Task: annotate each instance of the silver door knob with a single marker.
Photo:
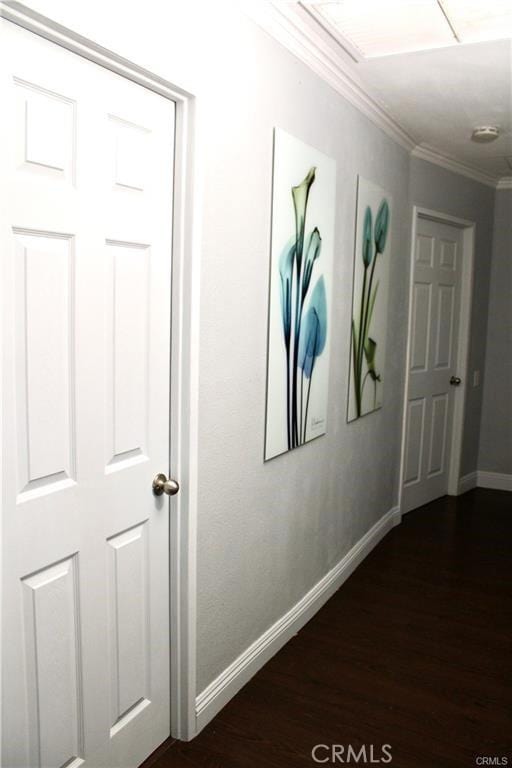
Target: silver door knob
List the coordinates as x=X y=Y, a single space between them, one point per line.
x=455 y=381
x=162 y=485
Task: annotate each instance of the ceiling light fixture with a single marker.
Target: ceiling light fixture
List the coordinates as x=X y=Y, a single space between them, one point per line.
x=485 y=133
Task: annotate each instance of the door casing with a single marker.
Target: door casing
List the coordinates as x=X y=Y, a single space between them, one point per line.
x=468 y=241
x=184 y=358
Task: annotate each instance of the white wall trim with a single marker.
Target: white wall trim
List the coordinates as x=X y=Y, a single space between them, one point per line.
x=294 y=25
x=496 y=480
x=467 y=483
x=459 y=406
x=354 y=53
x=450 y=163
x=468 y=247
x=482 y=479
x=217 y=694
x=285 y=25
x=184 y=385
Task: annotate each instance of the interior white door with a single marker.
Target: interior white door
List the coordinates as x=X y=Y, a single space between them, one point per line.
x=87 y=158
x=433 y=376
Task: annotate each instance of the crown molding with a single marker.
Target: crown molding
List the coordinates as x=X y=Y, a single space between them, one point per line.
x=284 y=24
x=349 y=49
x=431 y=155
x=282 y=20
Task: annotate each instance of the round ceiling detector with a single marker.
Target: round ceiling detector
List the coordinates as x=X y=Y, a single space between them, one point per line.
x=485 y=133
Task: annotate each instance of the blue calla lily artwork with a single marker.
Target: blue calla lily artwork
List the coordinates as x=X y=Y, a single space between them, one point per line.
x=369 y=318
x=302 y=224
x=311 y=345
x=314 y=330
x=286 y=273
x=367 y=237
x=381 y=226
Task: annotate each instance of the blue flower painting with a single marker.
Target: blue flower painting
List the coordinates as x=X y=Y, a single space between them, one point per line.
x=369 y=304
x=301 y=265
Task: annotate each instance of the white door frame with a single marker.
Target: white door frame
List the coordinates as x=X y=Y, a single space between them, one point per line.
x=184 y=362
x=468 y=246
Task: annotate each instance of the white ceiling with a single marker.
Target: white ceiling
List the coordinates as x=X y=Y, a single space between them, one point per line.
x=439 y=96
x=435 y=97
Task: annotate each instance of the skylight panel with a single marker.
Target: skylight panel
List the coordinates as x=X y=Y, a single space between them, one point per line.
x=372 y=28
x=379 y=28
x=477 y=21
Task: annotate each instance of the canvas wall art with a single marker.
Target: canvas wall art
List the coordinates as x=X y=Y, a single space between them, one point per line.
x=303 y=204
x=369 y=300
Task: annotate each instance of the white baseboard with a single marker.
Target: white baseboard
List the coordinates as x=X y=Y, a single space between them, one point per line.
x=496 y=480
x=480 y=479
x=233 y=678
x=468 y=482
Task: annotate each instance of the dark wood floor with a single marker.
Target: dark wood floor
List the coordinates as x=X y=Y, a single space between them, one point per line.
x=413 y=651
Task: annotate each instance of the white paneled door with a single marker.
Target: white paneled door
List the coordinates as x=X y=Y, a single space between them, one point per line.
x=433 y=376
x=87 y=159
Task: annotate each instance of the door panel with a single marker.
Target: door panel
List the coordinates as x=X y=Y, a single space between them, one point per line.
x=46 y=139
x=422 y=302
x=129 y=631
x=44 y=377
x=448 y=259
x=128 y=316
x=53 y=665
x=434 y=334
x=444 y=330
x=438 y=431
x=86 y=274
x=414 y=441
x=425 y=244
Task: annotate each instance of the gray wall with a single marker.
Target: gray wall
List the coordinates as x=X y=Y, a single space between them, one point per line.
x=441 y=190
x=271 y=531
x=496 y=428
x=268 y=532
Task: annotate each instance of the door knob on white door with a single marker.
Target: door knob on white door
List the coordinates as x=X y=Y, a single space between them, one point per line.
x=162 y=485
x=455 y=381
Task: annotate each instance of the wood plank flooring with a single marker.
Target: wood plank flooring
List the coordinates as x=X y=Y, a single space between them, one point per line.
x=413 y=651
